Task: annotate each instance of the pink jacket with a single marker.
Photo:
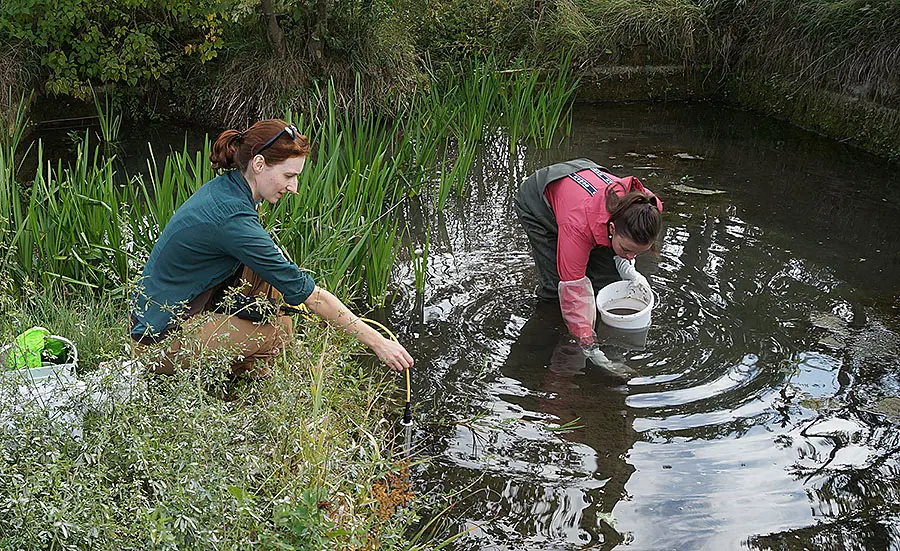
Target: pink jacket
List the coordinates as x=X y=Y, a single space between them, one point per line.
x=582 y=218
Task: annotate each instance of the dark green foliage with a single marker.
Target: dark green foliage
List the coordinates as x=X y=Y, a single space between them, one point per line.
x=124 y=41
x=458 y=29
x=216 y=62
x=306 y=524
x=249 y=80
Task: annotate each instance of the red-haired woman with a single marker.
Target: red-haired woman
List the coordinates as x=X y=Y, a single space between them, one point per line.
x=215 y=240
x=585 y=227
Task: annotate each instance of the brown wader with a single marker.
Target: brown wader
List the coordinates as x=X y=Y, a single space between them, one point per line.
x=540 y=226
x=251 y=345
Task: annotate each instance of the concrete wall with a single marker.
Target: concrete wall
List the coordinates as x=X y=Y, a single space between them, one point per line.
x=852 y=116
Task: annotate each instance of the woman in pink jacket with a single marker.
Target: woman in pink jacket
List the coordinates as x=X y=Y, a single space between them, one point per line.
x=585 y=227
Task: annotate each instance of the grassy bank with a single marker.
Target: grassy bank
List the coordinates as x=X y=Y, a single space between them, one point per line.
x=303 y=461
x=827 y=66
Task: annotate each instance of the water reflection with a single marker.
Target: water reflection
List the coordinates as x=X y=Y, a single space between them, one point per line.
x=541 y=486
x=748 y=421
x=570 y=388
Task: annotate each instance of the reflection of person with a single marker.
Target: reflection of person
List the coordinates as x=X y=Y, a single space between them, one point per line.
x=585 y=227
x=215 y=238
x=549 y=363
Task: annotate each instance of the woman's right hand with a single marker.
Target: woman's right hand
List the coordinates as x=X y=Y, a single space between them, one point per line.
x=393 y=354
x=329 y=307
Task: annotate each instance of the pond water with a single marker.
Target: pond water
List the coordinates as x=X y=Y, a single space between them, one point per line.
x=755 y=413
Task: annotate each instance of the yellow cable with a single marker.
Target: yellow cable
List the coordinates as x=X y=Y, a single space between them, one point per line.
x=390 y=333
x=383 y=328
x=393 y=338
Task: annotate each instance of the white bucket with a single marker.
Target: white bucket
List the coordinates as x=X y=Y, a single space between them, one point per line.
x=629 y=339
x=618 y=296
x=51 y=387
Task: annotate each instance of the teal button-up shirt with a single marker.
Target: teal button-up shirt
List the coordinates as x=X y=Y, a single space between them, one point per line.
x=208 y=238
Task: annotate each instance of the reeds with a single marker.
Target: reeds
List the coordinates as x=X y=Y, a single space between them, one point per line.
x=80 y=226
x=12 y=212
x=419 y=258
x=109 y=119
x=74 y=230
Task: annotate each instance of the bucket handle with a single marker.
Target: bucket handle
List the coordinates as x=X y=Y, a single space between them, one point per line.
x=68 y=343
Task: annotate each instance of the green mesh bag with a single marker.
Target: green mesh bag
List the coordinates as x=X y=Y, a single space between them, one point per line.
x=28 y=348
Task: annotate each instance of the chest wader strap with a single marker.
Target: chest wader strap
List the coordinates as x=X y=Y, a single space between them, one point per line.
x=588 y=187
x=606 y=179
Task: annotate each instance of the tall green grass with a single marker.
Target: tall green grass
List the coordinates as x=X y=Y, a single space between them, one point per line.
x=79 y=226
x=12 y=210
x=152 y=204
x=109 y=119
x=74 y=227
x=627 y=32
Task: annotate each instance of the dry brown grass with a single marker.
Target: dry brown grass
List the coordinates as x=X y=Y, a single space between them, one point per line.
x=251 y=87
x=849 y=47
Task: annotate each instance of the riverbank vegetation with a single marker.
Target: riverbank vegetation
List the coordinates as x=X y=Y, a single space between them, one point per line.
x=226 y=63
x=86 y=225
x=301 y=462
x=126 y=461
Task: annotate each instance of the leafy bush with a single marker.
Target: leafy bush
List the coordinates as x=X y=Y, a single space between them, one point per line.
x=458 y=29
x=131 y=461
x=124 y=41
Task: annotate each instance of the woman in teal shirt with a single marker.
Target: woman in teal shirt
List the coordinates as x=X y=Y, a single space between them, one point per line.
x=214 y=240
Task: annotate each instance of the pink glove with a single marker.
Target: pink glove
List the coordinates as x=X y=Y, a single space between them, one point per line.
x=579 y=311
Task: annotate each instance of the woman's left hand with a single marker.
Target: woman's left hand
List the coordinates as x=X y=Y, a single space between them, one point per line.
x=638 y=281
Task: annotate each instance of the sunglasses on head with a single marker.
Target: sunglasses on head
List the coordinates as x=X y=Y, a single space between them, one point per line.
x=290 y=130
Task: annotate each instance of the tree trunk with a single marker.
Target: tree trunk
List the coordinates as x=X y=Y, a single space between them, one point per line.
x=315 y=46
x=276 y=36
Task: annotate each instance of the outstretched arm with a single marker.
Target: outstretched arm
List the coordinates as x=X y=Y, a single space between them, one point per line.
x=329 y=307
